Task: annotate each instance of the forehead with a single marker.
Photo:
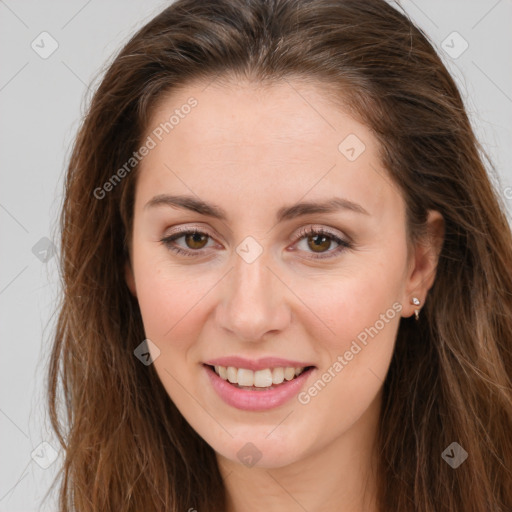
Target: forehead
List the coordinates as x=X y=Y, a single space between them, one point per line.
x=251 y=114
x=266 y=143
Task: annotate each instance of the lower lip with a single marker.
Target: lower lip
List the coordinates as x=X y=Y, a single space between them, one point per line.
x=257 y=400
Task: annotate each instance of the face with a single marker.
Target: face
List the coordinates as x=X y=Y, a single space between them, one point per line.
x=297 y=306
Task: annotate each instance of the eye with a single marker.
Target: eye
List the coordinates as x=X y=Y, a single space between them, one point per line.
x=318 y=240
x=194 y=240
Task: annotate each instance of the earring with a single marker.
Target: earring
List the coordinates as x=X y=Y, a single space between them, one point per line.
x=416 y=302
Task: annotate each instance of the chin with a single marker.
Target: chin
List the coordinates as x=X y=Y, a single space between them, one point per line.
x=253 y=449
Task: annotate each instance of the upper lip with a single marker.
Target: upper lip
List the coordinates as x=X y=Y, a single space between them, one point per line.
x=256 y=364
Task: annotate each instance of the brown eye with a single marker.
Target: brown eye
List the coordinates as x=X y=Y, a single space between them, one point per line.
x=319 y=242
x=196 y=240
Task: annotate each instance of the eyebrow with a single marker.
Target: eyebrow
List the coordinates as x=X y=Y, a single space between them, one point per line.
x=285 y=213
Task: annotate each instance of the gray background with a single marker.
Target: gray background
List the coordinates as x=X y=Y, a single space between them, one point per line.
x=41 y=103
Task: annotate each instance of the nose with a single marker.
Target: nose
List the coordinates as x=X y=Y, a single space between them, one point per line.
x=253 y=301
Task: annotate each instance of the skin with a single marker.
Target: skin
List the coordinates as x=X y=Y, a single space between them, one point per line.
x=252 y=150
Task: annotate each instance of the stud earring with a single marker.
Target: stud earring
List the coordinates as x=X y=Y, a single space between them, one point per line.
x=416 y=302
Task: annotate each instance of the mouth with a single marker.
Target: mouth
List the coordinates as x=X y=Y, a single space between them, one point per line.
x=259 y=380
x=257 y=390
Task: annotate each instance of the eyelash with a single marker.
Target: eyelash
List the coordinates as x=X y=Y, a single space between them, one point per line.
x=342 y=244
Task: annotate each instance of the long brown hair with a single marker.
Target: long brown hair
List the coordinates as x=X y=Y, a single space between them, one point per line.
x=127 y=447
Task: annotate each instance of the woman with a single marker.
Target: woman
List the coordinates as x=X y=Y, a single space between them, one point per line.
x=287 y=276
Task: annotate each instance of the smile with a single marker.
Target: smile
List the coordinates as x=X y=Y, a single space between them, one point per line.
x=257 y=390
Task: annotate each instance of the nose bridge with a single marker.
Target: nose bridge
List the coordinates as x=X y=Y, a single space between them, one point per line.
x=253 y=300
x=252 y=279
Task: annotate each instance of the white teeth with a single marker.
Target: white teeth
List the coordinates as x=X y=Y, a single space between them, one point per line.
x=232 y=375
x=263 y=378
x=277 y=375
x=245 y=377
x=260 y=378
x=289 y=373
x=222 y=371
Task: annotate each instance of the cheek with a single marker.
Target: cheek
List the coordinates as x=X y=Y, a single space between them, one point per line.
x=360 y=311
x=363 y=313
x=170 y=307
x=166 y=296
x=348 y=303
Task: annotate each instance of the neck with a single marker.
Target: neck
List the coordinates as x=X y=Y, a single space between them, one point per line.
x=336 y=475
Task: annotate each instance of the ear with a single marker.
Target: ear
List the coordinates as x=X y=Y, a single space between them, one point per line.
x=130 y=278
x=423 y=263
